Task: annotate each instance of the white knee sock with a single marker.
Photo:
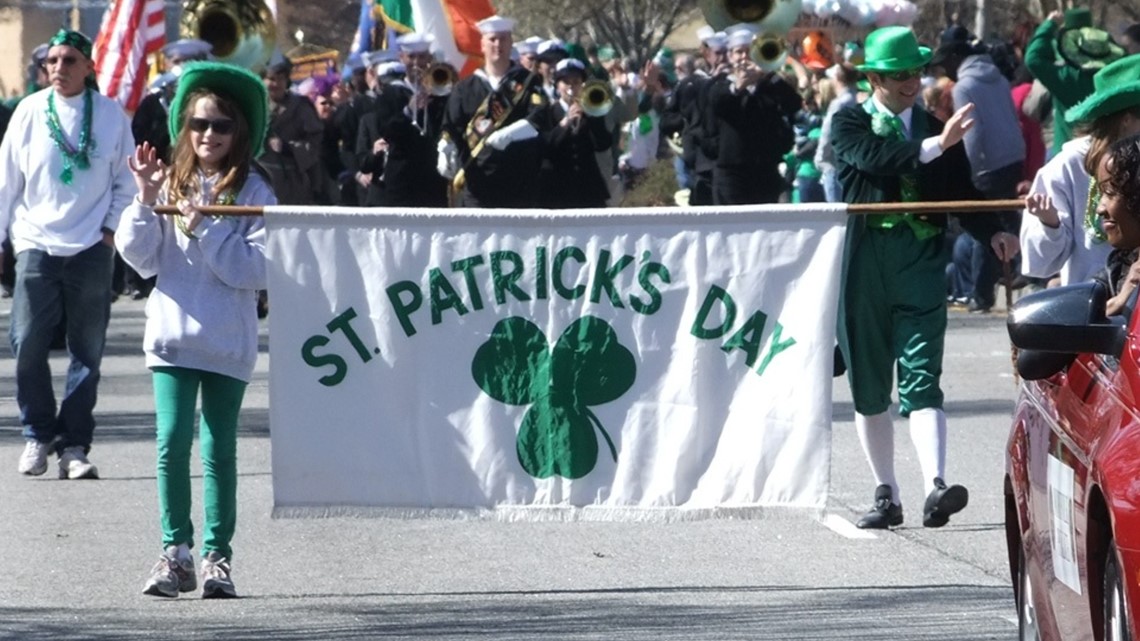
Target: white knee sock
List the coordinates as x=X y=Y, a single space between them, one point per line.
x=928 y=433
x=877 y=434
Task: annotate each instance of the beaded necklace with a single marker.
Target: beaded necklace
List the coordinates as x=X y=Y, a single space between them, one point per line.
x=72 y=158
x=1092 y=221
x=228 y=197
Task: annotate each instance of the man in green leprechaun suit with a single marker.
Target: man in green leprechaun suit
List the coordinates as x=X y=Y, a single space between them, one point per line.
x=893 y=299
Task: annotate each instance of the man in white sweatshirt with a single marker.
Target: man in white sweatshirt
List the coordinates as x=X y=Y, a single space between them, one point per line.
x=64 y=181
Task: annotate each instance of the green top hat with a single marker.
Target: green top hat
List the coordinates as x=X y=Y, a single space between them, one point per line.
x=1077 y=18
x=1088 y=48
x=893 y=49
x=234 y=83
x=1117 y=88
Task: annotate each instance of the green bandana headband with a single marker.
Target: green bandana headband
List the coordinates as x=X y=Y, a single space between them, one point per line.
x=80 y=43
x=73 y=39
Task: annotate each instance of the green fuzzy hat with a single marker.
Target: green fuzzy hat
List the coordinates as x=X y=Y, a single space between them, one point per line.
x=893 y=49
x=235 y=83
x=1117 y=88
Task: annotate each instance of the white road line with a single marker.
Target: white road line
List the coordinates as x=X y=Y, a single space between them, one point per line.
x=1012 y=620
x=845 y=528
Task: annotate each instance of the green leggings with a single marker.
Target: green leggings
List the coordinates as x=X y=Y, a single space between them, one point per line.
x=175 y=398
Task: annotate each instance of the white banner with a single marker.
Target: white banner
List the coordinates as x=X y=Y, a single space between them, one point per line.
x=609 y=363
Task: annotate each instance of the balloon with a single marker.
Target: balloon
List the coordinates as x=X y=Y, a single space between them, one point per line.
x=908 y=11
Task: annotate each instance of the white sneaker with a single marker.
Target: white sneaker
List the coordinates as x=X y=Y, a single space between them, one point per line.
x=216 y=581
x=73 y=464
x=171 y=575
x=33 y=462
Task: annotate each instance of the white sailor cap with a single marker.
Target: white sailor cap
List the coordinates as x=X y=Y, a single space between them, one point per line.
x=495 y=24
x=552 y=47
x=391 y=69
x=415 y=42
x=717 y=41
x=740 y=36
x=568 y=66
x=373 y=58
x=39 y=54
x=529 y=46
x=187 y=48
x=705 y=32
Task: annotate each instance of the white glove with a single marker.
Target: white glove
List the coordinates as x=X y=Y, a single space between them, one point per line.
x=521 y=130
x=447 y=162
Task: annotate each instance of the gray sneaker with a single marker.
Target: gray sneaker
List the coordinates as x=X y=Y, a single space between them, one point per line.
x=170 y=575
x=216 y=581
x=33 y=462
x=73 y=464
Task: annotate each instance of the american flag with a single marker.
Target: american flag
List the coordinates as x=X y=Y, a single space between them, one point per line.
x=131 y=31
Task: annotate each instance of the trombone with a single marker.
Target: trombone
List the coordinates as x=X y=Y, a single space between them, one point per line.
x=438 y=80
x=596 y=99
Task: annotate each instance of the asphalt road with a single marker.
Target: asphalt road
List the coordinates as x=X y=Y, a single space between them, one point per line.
x=74 y=555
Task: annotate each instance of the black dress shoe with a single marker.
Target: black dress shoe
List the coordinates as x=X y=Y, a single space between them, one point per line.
x=883 y=514
x=942 y=502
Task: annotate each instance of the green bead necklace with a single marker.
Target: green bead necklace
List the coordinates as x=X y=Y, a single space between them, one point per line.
x=1092 y=221
x=72 y=158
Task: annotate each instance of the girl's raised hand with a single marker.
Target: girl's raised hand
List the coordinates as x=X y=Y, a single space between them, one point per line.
x=1041 y=206
x=149 y=172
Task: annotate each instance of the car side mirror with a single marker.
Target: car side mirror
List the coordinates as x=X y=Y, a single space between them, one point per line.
x=1067 y=320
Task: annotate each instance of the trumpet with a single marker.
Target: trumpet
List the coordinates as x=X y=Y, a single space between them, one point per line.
x=440 y=78
x=596 y=98
x=769 y=51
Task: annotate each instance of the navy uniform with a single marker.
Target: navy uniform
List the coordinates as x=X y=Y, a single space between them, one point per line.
x=570 y=176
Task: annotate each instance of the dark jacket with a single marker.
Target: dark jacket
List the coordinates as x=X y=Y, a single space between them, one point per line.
x=570 y=174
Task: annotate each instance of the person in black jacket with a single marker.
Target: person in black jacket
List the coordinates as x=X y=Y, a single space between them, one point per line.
x=491 y=127
x=751 y=109
x=570 y=175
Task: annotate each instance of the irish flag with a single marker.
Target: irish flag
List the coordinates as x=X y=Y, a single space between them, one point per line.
x=451 y=22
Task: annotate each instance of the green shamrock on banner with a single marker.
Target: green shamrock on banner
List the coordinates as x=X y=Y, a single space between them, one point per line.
x=588 y=366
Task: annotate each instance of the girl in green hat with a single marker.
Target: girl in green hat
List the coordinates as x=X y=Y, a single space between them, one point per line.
x=201 y=329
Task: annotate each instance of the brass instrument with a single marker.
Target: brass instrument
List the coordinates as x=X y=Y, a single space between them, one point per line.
x=242 y=32
x=771 y=19
x=769 y=51
x=776 y=16
x=440 y=78
x=596 y=98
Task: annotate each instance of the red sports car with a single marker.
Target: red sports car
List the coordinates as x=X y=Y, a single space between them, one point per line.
x=1072 y=484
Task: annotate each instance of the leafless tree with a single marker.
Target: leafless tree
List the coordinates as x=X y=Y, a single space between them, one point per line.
x=634 y=28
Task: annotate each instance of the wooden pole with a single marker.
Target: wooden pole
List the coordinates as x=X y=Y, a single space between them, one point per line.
x=951 y=207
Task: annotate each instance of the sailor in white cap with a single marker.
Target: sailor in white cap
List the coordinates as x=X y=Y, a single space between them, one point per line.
x=571 y=176
x=489 y=117
x=528 y=52
x=372 y=60
x=751 y=111
x=182 y=51
x=549 y=54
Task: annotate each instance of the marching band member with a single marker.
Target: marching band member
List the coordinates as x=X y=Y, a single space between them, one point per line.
x=571 y=176
x=751 y=110
x=490 y=148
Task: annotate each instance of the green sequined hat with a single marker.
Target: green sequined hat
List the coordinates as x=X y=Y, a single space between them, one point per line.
x=235 y=83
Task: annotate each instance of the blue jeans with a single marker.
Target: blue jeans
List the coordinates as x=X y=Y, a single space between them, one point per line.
x=77 y=290
x=833 y=191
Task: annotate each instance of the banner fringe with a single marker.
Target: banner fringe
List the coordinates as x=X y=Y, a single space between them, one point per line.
x=553 y=514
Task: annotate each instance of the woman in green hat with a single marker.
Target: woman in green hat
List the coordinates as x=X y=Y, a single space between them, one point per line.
x=201 y=329
x=892 y=299
x=1062 y=233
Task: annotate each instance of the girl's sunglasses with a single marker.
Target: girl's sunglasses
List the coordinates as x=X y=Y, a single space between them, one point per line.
x=222 y=126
